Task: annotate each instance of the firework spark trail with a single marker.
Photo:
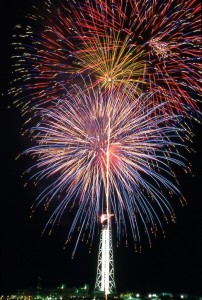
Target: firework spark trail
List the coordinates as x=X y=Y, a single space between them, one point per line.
x=94 y=148
x=154 y=44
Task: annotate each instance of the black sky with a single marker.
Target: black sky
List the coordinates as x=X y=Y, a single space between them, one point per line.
x=173 y=264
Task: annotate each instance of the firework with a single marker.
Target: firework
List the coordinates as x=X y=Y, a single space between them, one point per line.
x=111 y=62
x=102 y=156
x=150 y=45
x=165 y=35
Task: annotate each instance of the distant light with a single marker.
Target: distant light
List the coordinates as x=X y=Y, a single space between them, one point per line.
x=137 y=295
x=182 y=296
x=150 y=295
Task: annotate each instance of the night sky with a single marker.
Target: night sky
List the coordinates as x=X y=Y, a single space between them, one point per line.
x=173 y=264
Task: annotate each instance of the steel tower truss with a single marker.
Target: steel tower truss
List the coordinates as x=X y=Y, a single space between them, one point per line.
x=105 y=270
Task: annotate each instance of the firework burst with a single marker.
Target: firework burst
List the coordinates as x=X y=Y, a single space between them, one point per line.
x=165 y=35
x=104 y=155
x=154 y=44
x=111 y=62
